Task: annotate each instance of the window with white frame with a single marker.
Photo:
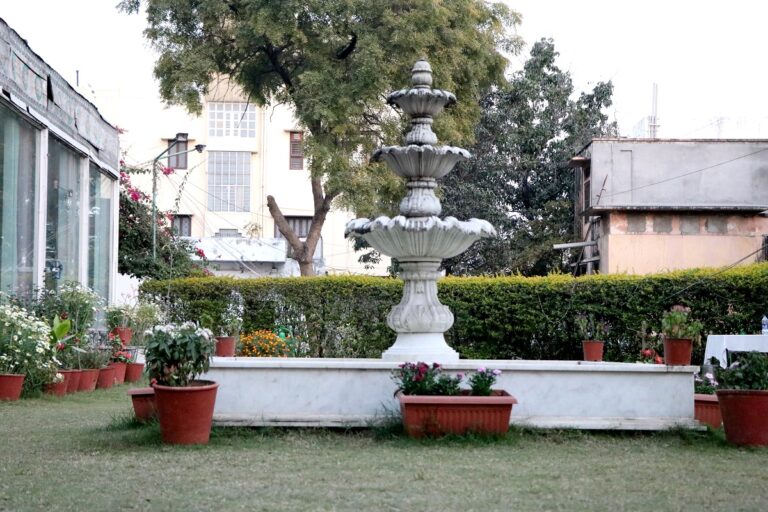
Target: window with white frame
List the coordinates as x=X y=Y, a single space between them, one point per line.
x=231 y=119
x=296 y=153
x=229 y=181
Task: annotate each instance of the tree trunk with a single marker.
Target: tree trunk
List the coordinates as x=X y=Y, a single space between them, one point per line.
x=303 y=251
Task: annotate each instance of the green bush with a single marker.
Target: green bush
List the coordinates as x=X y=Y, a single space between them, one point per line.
x=496 y=317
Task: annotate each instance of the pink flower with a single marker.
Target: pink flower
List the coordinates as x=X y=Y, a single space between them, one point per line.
x=496 y=372
x=168 y=171
x=135 y=194
x=481 y=369
x=200 y=253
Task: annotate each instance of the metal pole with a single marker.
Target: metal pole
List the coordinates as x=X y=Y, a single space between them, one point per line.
x=199 y=148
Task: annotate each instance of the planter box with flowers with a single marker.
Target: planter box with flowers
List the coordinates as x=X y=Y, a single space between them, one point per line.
x=432 y=403
x=176 y=355
x=706 y=408
x=743 y=396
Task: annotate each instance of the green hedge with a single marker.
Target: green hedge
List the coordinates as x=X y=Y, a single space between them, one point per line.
x=496 y=318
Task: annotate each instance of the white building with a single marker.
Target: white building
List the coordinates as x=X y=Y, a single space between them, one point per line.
x=219 y=195
x=58 y=173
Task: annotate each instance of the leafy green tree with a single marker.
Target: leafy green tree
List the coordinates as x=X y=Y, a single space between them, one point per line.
x=174 y=254
x=519 y=179
x=332 y=61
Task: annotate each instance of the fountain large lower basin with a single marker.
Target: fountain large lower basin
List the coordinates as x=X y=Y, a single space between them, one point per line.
x=360 y=392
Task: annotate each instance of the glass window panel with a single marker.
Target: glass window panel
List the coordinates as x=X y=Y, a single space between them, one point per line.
x=62 y=252
x=100 y=188
x=229 y=181
x=18 y=177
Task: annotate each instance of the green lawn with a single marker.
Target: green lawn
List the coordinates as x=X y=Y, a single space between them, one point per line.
x=83 y=453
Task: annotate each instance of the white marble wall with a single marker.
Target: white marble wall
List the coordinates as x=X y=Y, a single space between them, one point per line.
x=358 y=392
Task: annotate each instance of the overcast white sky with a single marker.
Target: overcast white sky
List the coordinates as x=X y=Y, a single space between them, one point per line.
x=708 y=58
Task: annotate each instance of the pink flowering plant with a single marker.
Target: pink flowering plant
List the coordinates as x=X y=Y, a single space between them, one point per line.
x=428 y=379
x=481 y=381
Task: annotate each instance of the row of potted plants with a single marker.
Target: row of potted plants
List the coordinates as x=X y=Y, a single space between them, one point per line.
x=679 y=333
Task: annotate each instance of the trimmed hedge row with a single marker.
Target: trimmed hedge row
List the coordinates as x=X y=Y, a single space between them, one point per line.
x=496 y=318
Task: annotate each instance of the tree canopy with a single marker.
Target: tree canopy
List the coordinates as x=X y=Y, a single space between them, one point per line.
x=332 y=61
x=519 y=179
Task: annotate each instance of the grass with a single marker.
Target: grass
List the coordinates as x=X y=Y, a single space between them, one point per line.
x=84 y=452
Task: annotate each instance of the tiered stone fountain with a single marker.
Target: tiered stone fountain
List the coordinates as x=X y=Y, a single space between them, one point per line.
x=418 y=238
x=358 y=392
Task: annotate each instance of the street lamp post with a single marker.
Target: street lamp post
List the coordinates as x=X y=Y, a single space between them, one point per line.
x=199 y=148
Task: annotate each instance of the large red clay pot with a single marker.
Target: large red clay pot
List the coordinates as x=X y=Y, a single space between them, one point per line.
x=119 y=372
x=745 y=416
x=440 y=415
x=225 y=346
x=88 y=379
x=73 y=379
x=706 y=409
x=106 y=378
x=133 y=372
x=677 y=351
x=186 y=413
x=593 y=350
x=57 y=389
x=11 y=385
x=124 y=333
x=143 y=400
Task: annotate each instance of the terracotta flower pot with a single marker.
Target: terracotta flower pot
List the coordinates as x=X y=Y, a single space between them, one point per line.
x=143 y=400
x=677 y=351
x=57 y=389
x=706 y=409
x=440 y=415
x=133 y=372
x=225 y=346
x=745 y=416
x=106 y=378
x=119 y=372
x=11 y=385
x=186 y=413
x=73 y=380
x=593 y=350
x=124 y=333
x=88 y=379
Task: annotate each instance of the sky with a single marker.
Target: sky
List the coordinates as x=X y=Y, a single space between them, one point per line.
x=707 y=57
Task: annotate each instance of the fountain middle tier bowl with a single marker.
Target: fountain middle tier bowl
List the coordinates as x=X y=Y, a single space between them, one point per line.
x=414 y=161
x=418 y=102
x=420 y=237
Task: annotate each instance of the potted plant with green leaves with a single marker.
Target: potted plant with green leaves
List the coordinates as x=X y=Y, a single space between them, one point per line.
x=230 y=325
x=593 y=334
x=120 y=321
x=433 y=403
x=743 y=396
x=92 y=360
x=176 y=355
x=680 y=332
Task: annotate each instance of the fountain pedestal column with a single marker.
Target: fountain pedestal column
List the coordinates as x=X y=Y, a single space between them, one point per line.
x=420 y=320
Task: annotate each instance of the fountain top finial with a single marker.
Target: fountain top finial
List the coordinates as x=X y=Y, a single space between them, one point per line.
x=421 y=74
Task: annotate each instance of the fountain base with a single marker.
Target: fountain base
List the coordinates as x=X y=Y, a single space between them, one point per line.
x=429 y=347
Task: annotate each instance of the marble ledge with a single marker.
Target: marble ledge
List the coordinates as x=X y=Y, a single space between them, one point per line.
x=461 y=365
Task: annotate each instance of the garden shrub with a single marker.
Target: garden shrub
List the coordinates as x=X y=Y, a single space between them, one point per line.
x=510 y=317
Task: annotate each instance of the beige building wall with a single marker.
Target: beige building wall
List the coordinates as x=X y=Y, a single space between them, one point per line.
x=148 y=128
x=650 y=242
